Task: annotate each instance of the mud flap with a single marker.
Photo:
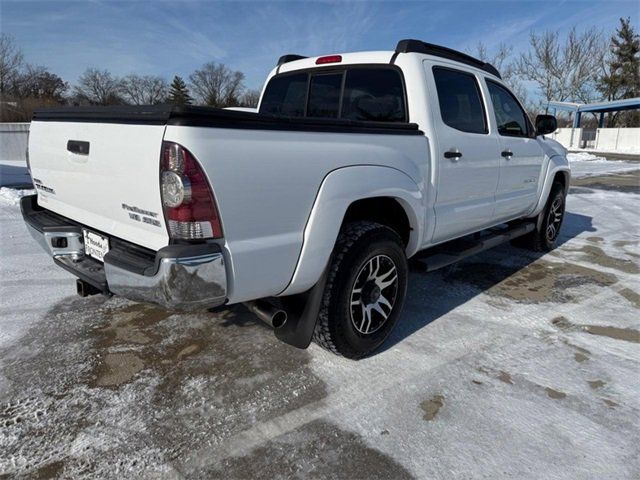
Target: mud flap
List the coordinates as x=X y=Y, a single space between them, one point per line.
x=302 y=310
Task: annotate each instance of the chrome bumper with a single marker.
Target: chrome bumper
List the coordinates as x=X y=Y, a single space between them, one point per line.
x=184 y=277
x=184 y=283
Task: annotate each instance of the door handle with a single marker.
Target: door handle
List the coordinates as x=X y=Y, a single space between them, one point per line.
x=507 y=154
x=79 y=147
x=453 y=154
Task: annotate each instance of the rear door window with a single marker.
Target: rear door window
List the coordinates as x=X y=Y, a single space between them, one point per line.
x=460 y=101
x=285 y=95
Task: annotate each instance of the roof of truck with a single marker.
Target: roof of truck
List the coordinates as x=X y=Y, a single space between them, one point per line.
x=345 y=58
x=292 y=62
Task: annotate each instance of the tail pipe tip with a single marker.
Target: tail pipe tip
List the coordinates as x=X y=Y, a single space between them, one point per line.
x=269 y=314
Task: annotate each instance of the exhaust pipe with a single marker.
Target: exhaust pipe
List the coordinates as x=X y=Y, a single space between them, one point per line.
x=272 y=316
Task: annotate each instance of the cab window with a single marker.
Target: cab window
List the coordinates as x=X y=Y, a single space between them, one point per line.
x=285 y=95
x=375 y=94
x=356 y=93
x=324 y=95
x=460 y=101
x=511 y=119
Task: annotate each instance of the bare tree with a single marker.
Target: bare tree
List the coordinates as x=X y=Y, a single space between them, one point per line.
x=502 y=58
x=250 y=98
x=38 y=82
x=217 y=85
x=99 y=87
x=144 y=90
x=11 y=59
x=564 y=70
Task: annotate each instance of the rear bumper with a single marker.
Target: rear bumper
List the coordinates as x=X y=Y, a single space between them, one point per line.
x=178 y=276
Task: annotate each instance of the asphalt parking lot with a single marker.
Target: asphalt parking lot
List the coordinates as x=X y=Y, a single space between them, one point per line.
x=507 y=365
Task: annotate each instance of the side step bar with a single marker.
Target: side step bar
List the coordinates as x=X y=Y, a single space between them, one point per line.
x=454 y=251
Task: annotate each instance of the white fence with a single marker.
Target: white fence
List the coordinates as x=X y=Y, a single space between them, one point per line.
x=622 y=140
x=13 y=141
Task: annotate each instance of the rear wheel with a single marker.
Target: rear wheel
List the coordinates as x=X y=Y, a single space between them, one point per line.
x=365 y=290
x=545 y=236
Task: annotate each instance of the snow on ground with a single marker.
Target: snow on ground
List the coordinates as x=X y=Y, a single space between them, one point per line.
x=508 y=365
x=631 y=150
x=11 y=196
x=585 y=157
x=585 y=164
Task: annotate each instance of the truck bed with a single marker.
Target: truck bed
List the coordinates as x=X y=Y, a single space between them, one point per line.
x=266 y=173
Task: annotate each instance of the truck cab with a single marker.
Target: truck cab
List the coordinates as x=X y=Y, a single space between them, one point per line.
x=475 y=126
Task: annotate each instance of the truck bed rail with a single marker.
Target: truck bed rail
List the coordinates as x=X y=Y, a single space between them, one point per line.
x=217 y=117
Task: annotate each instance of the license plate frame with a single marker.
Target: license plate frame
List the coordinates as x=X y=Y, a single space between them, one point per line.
x=96 y=245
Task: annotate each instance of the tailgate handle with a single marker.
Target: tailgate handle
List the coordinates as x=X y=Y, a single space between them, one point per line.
x=78 y=146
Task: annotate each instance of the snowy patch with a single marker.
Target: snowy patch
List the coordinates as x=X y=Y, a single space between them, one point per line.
x=585 y=157
x=633 y=150
x=527 y=363
x=584 y=164
x=10 y=196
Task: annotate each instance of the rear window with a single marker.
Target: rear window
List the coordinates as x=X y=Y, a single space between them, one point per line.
x=361 y=93
x=285 y=96
x=461 y=106
x=374 y=94
x=324 y=95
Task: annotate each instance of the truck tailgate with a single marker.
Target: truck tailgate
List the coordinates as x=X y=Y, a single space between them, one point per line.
x=103 y=175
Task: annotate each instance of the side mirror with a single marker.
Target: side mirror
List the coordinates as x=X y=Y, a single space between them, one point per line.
x=546 y=124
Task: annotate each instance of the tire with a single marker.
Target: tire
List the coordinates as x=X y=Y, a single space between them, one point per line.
x=545 y=235
x=344 y=327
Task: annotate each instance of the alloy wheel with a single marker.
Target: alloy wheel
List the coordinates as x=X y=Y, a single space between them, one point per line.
x=373 y=294
x=554 y=219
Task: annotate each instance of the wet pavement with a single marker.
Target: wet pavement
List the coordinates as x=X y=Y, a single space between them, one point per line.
x=506 y=365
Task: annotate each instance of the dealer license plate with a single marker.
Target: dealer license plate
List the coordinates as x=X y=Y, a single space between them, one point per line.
x=96 y=246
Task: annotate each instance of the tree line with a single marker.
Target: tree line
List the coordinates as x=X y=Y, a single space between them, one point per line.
x=25 y=87
x=581 y=66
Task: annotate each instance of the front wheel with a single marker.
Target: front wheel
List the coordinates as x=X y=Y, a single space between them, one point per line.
x=365 y=290
x=545 y=235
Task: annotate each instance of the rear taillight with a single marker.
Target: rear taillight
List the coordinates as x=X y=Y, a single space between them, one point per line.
x=187 y=198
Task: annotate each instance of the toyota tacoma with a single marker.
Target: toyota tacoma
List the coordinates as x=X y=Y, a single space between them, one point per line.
x=307 y=209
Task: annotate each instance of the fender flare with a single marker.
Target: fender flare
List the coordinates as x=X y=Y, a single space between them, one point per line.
x=338 y=190
x=557 y=163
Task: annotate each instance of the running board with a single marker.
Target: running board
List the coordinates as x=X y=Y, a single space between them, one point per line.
x=451 y=252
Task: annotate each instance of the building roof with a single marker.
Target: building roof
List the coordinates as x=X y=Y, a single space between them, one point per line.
x=610 y=106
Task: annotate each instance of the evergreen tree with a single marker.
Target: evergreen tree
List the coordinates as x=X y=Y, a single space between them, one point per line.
x=179 y=93
x=623 y=77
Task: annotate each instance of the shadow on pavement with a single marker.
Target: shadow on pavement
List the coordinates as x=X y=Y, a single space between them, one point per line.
x=15 y=176
x=434 y=294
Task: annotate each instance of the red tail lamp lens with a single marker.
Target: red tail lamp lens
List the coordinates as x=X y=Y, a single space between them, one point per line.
x=187 y=198
x=329 y=59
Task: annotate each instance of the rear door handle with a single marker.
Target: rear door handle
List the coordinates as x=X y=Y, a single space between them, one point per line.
x=453 y=154
x=507 y=154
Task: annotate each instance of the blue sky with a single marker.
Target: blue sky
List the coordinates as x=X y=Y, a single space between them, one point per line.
x=175 y=37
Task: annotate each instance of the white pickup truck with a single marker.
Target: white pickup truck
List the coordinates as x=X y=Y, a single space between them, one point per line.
x=307 y=209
